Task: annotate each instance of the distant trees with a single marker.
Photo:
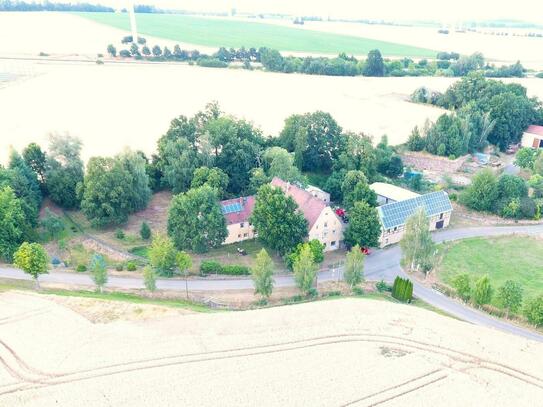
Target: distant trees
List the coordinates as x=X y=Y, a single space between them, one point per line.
x=32 y=259
x=262 y=274
x=195 y=220
x=111 y=50
x=418 y=249
x=277 y=219
x=157 y=51
x=374 y=65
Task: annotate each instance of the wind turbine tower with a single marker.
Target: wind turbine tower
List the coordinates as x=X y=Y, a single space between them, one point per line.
x=133 y=26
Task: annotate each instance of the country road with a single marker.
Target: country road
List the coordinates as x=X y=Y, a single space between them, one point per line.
x=382 y=264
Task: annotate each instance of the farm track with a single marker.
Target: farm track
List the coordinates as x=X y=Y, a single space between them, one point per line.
x=472 y=362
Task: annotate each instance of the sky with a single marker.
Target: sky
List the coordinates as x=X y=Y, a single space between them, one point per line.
x=441 y=10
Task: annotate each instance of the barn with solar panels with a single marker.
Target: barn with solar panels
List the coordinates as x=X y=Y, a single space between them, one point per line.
x=393 y=216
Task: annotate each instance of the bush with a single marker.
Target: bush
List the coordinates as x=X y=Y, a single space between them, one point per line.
x=131 y=266
x=99 y=62
x=145 y=231
x=358 y=290
x=81 y=268
x=235 y=270
x=534 y=311
x=211 y=63
x=125 y=53
x=210 y=267
x=402 y=289
x=119 y=234
x=382 y=286
x=119 y=266
x=312 y=292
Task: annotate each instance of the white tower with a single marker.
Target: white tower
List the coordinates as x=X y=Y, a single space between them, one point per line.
x=133 y=26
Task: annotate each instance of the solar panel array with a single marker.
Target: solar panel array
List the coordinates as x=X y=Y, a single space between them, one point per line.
x=396 y=213
x=231 y=208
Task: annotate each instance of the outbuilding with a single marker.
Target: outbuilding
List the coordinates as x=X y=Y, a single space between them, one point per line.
x=533 y=137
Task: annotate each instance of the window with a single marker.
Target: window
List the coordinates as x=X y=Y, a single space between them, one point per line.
x=242 y=224
x=239 y=236
x=441 y=216
x=395 y=229
x=333 y=243
x=334 y=231
x=245 y=235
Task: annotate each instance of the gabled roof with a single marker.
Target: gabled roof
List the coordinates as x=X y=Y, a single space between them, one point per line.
x=396 y=213
x=537 y=130
x=237 y=210
x=309 y=205
x=392 y=191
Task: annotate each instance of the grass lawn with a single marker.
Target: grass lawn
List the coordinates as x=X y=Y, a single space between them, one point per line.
x=517 y=258
x=213 y=32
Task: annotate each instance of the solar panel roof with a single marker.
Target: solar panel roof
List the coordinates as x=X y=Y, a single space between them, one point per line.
x=232 y=207
x=396 y=213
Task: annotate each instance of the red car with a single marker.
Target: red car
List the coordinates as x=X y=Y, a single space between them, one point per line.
x=365 y=250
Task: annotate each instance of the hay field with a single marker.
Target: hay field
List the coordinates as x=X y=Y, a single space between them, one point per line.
x=341 y=352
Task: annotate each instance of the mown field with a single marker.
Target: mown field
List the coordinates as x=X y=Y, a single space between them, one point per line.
x=214 y=32
x=515 y=258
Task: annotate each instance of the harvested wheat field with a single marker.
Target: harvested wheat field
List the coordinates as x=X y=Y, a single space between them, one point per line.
x=331 y=353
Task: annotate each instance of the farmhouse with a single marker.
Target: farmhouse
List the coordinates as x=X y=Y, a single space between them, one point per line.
x=533 y=137
x=388 y=193
x=323 y=224
x=393 y=216
x=237 y=212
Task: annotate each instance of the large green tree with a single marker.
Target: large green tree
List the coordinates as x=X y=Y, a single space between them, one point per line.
x=12 y=223
x=418 y=248
x=64 y=170
x=280 y=163
x=195 y=220
x=374 y=65
x=214 y=177
x=355 y=188
x=482 y=193
x=36 y=159
x=364 y=228
x=278 y=220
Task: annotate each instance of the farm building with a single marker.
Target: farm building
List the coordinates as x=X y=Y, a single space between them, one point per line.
x=393 y=216
x=533 y=137
x=323 y=224
x=237 y=212
x=388 y=193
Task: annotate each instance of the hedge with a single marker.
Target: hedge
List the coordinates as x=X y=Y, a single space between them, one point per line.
x=213 y=267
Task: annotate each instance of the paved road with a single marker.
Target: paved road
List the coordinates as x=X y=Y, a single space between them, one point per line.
x=382 y=264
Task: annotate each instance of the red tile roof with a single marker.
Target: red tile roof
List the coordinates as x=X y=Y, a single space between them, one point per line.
x=538 y=130
x=247 y=205
x=310 y=206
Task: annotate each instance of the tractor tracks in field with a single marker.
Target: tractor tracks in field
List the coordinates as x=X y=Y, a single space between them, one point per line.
x=30 y=379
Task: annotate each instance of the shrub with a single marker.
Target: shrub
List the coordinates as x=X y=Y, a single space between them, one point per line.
x=312 y=292
x=81 y=268
x=402 y=289
x=119 y=234
x=358 y=290
x=382 y=286
x=211 y=63
x=125 y=53
x=131 y=266
x=539 y=75
x=462 y=286
x=235 y=270
x=210 y=267
x=145 y=231
x=119 y=266
x=534 y=311
x=99 y=62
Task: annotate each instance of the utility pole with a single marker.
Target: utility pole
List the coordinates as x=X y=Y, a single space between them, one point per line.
x=133 y=26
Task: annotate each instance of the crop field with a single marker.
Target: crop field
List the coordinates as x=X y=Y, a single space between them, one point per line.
x=216 y=32
x=515 y=258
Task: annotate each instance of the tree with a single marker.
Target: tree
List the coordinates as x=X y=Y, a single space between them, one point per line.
x=525 y=157
x=510 y=296
x=462 y=286
x=113 y=188
x=355 y=188
x=280 y=163
x=184 y=263
x=262 y=274
x=134 y=49
x=533 y=311
x=213 y=177
x=32 y=259
x=111 y=50
x=36 y=159
x=146 y=51
x=12 y=223
x=277 y=219
x=317 y=249
x=271 y=59
x=354 y=267
x=511 y=186
x=149 y=278
x=482 y=294
x=357 y=153
x=162 y=255
x=305 y=270
x=99 y=271
x=145 y=231
x=418 y=249
x=195 y=220
x=52 y=224
x=64 y=170
x=374 y=65
x=157 y=51
x=482 y=194
x=364 y=228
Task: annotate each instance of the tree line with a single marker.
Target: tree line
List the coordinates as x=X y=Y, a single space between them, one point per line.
x=483 y=111
x=16 y=5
